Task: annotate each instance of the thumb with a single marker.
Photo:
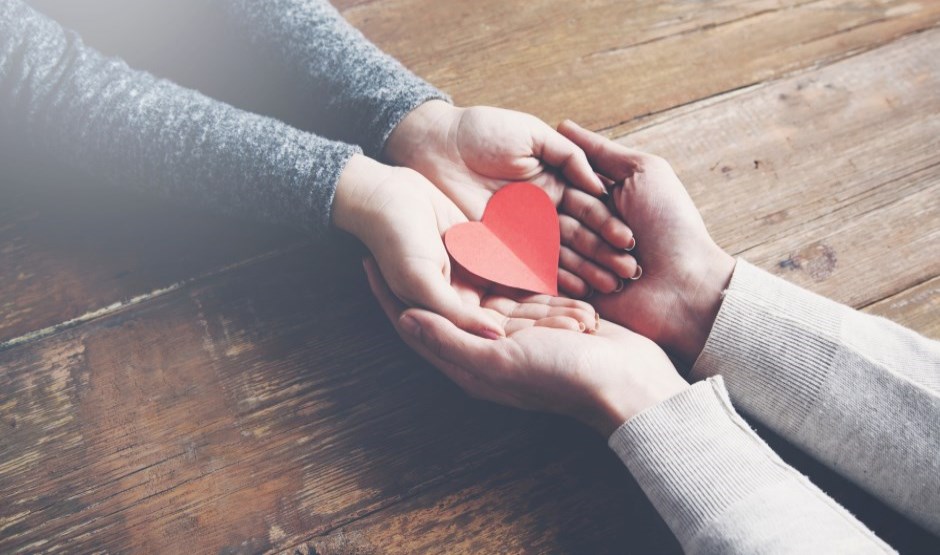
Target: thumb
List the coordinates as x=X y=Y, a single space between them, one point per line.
x=443 y=342
x=560 y=152
x=607 y=157
x=437 y=295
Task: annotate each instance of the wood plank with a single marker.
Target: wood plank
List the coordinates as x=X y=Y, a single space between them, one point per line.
x=782 y=169
x=551 y=501
x=564 y=504
x=70 y=247
x=917 y=308
x=836 y=263
x=267 y=405
x=603 y=63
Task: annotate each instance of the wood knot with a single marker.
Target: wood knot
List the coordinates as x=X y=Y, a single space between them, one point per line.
x=817 y=260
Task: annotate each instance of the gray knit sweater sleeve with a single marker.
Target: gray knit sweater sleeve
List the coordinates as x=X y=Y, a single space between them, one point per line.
x=135 y=129
x=722 y=490
x=342 y=72
x=858 y=392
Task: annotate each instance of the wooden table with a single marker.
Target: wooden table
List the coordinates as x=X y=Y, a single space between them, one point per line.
x=173 y=381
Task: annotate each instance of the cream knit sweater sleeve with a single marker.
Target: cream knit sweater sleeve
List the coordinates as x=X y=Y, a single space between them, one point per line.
x=858 y=392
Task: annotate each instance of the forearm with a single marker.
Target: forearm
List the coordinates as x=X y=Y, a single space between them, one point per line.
x=721 y=489
x=137 y=130
x=349 y=79
x=857 y=392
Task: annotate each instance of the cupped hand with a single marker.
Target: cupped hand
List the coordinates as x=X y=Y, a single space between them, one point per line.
x=400 y=217
x=469 y=153
x=602 y=379
x=683 y=270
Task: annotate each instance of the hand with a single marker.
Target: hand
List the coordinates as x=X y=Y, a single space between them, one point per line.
x=602 y=379
x=684 y=271
x=469 y=153
x=400 y=217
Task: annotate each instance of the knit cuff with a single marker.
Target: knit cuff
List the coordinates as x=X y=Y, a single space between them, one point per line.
x=410 y=94
x=773 y=342
x=695 y=457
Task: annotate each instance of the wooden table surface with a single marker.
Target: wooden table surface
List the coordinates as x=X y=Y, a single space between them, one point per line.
x=174 y=381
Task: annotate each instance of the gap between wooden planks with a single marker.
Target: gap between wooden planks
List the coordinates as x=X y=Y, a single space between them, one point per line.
x=245 y=411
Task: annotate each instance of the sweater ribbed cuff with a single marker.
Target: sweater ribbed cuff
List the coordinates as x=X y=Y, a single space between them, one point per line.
x=389 y=115
x=695 y=457
x=773 y=342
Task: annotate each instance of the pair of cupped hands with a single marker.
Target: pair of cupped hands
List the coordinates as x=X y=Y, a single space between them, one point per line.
x=622 y=214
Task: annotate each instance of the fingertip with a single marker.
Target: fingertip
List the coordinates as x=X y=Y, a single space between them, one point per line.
x=561 y=322
x=572 y=284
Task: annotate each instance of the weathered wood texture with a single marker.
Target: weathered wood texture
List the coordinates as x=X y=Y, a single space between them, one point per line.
x=602 y=63
x=70 y=250
x=263 y=404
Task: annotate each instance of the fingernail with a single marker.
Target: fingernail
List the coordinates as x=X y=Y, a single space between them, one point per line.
x=409 y=325
x=597 y=321
x=490 y=334
x=619 y=287
x=632 y=245
x=581 y=326
x=637 y=273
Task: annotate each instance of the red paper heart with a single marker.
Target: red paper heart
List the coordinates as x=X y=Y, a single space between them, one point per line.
x=516 y=243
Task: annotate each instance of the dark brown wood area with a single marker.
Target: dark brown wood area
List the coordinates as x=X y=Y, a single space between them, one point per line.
x=173 y=381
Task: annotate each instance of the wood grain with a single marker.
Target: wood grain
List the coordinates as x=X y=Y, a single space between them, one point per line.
x=916 y=308
x=792 y=176
x=248 y=413
x=71 y=248
x=603 y=63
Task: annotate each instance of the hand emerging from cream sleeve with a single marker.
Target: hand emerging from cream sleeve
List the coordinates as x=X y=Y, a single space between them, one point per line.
x=469 y=153
x=684 y=272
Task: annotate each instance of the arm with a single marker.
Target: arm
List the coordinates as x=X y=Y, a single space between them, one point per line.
x=368 y=98
x=131 y=128
x=715 y=483
x=858 y=392
x=363 y=92
x=721 y=489
x=96 y=112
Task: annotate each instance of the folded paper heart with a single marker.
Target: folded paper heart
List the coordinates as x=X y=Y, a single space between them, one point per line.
x=517 y=242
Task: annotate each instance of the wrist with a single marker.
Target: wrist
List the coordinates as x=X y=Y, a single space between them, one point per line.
x=357 y=184
x=423 y=128
x=621 y=404
x=701 y=301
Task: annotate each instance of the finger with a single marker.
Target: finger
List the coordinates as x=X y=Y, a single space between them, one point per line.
x=513 y=325
x=583 y=317
x=447 y=343
x=600 y=279
x=432 y=291
x=612 y=159
x=572 y=285
x=589 y=245
x=561 y=153
x=594 y=213
x=550 y=300
x=564 y=323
